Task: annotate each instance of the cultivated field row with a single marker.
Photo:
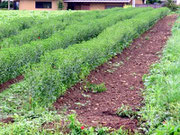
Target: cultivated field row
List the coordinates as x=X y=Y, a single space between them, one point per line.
x=53 y=53
x=13 y=59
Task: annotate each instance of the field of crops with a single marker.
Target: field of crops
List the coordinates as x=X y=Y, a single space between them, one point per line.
x=7 y=17
x=52 y=51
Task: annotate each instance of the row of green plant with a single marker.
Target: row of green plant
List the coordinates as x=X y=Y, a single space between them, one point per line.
x=162 y=95
x=44 y=29
x=14 y=26
x=39 y=121
x=49 y=27
x=62 y=68
x=13 y=59
x=6 y=17
x=17 y=101
x=17 y=25
x=51 y=123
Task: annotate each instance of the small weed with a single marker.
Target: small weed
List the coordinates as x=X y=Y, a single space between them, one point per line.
x=87 y=96
x=110 y=62
x=114 y=66
x=95 y=88
x=79 y=104
x=128 y=58
x=111 y=70
x=132 y=88
x=147 y=38
x=133 y=74
x=126 y=111
x=117 y=64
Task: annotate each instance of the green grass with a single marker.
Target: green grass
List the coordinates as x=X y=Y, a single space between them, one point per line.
x=162 y=94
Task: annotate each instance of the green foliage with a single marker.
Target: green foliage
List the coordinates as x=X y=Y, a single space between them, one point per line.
x=13 y=59
x=14 y=29
x=95 y=88
x=44 y=29
x=60 y=5
x=60 y=69
x=51 y=123
x=24 y=125
x=147 y=37
x=4 y=4
x=171 y=5
x=162 y=94
x=76 y=128
x=16 y=25
x=126 y=111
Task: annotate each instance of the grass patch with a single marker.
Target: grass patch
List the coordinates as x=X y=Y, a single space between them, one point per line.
x=162 y=94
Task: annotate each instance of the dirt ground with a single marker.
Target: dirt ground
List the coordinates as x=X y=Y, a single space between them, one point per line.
x=122 y=76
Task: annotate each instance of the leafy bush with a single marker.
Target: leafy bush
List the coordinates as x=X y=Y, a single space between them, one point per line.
x=60 y=4
x=126 y=111
x=13 y=59
x=60 y=69
x=4 y=4
x=171 y=5
x=17 y=25
x=43 y=29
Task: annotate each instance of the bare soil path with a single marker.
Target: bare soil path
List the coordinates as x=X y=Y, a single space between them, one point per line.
x=122 y=76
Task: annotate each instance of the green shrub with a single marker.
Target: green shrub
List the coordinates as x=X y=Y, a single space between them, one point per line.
x=46 y=28
x=60 y=4
x=17 y=25
x=13 y=59
x=171 y=5
x=60 y=69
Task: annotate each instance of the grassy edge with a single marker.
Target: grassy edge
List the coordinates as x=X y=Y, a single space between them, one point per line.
x=162 y=92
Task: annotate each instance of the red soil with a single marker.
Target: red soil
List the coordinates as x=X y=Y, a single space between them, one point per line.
x=123 y=81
